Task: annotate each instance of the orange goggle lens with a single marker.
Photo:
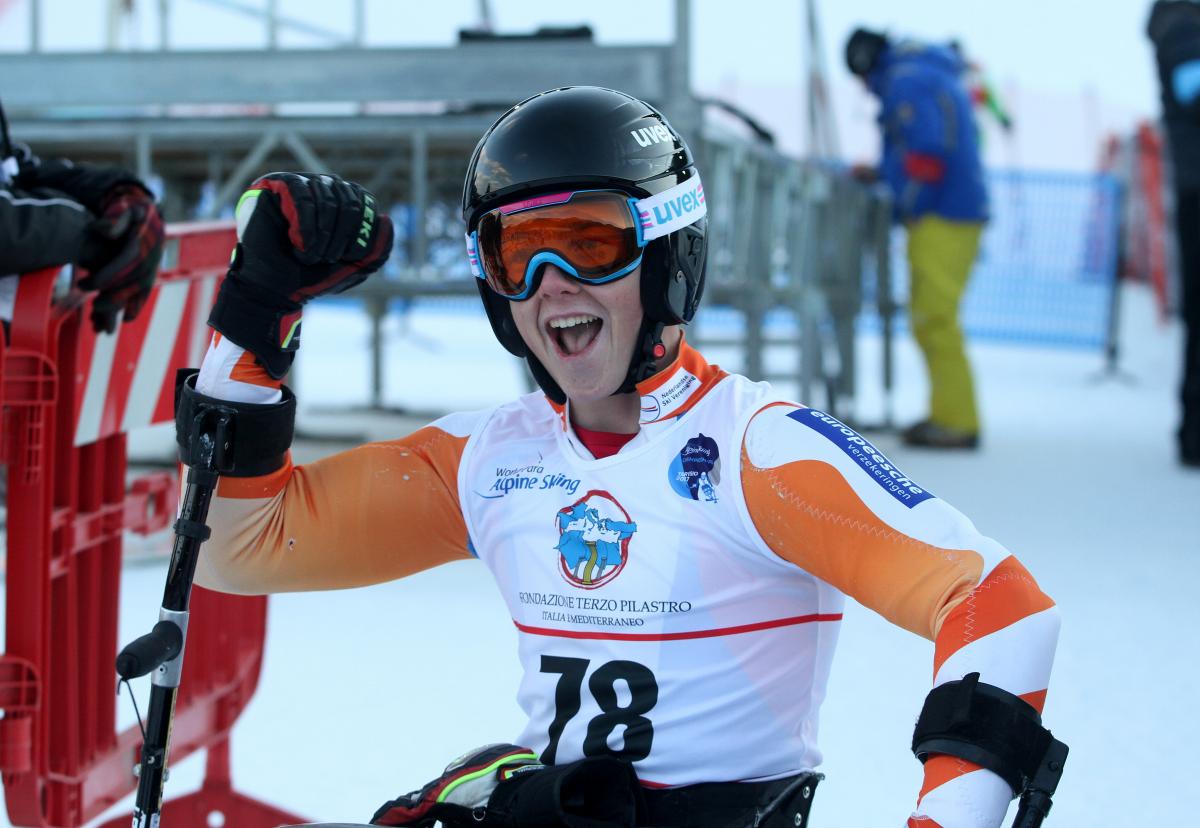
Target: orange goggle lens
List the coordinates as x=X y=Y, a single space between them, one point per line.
x=594 y=233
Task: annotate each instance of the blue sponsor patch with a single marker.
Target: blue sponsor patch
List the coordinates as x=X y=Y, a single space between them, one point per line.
x=696 y=470
x=881 y=470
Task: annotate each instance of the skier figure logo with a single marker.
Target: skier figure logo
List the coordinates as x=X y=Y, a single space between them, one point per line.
x=696 y=470
x=593 y=542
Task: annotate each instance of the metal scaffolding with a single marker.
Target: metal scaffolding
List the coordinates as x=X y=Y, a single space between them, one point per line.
x=403 y=121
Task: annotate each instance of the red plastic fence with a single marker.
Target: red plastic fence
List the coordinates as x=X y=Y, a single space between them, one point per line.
x=1149 y=158
x=69 y=397
x=1137 y=162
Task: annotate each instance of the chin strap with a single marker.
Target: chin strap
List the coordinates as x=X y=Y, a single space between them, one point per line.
x=546 y=382
x=646 y=354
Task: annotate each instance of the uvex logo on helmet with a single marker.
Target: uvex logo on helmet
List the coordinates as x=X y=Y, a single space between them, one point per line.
x=657 y=134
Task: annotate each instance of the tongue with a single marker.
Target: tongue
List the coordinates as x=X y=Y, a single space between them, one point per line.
x=577 y=337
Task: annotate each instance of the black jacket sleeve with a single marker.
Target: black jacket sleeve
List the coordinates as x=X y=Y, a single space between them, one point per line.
x=86 y=183
x=39 y=228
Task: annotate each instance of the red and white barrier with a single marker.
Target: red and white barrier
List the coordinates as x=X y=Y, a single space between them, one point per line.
x=68 y=398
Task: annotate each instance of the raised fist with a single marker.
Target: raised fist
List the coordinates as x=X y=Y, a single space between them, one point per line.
x=300 y=235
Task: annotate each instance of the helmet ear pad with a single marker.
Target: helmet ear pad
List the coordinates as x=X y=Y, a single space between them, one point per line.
x=673 y=275
x=499 y=314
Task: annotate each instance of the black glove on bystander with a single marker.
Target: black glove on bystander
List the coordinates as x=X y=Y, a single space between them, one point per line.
x=89 y=184
x=122 y=254
x=300 y=235
x=124 y=244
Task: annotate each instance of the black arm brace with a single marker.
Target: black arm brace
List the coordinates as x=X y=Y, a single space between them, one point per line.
x=992 y=728
x=261 y=434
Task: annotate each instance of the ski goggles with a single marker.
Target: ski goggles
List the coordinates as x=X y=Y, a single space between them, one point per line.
x=594 y=236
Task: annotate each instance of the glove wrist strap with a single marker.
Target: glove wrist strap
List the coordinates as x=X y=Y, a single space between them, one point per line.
x=266 y=329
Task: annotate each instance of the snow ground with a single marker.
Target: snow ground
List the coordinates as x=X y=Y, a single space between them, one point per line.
x=368 y=693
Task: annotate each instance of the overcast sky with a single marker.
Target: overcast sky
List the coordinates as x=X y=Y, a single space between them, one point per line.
x=1071 y=70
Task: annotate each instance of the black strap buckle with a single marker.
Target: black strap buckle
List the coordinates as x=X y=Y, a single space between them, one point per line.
x=211 y=436
x=233 y=439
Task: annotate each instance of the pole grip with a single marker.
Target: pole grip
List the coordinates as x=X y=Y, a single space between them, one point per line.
x=155 y=648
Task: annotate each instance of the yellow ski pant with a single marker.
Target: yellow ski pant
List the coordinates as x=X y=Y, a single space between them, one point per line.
x=940 y=256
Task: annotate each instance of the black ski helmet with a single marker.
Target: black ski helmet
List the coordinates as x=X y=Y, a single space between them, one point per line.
x=580 y=137
x=863 y=49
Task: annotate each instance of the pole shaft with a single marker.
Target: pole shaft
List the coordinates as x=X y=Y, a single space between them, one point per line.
x=178 y=590
x=152 y=770
x=211 y=430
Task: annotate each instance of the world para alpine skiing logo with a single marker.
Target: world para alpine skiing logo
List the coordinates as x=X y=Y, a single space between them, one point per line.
x=593 y=539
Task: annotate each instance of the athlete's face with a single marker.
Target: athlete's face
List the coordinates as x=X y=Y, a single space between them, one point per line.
x=583 y=334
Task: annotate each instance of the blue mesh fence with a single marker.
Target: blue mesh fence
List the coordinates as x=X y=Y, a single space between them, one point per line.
x=1047 y=265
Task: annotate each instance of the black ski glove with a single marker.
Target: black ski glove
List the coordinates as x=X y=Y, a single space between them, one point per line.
x=300 y=235
x=121 y=254
x=460 y=795
x=506 y=786
x=123 y=246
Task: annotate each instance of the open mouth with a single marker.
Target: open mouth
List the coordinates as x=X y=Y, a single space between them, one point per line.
x=573 y=334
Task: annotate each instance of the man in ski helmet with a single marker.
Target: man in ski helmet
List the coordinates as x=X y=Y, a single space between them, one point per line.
x=680 y=632
x=931 y=163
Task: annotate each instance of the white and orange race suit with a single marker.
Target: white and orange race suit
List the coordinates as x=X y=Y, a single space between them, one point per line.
x=677 y=603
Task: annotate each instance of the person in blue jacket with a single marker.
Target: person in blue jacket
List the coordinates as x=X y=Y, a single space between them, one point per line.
x=931 y=163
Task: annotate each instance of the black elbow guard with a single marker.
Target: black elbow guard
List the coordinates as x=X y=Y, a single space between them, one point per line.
x=258 y=440
x=992 y=728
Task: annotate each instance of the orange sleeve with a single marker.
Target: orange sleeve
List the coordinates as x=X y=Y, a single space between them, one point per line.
x=365 y=516
x=809 y=515
x=825 y=499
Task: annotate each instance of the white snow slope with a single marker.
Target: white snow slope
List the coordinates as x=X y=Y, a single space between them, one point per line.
x=368 y=693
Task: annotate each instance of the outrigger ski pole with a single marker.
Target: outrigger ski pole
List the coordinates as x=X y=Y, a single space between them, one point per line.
x=161 y=650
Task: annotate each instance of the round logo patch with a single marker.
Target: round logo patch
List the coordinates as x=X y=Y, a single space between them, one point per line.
x=593 y=539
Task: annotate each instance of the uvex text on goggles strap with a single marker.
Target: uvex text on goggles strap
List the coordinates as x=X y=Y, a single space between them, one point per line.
x=654 y=217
